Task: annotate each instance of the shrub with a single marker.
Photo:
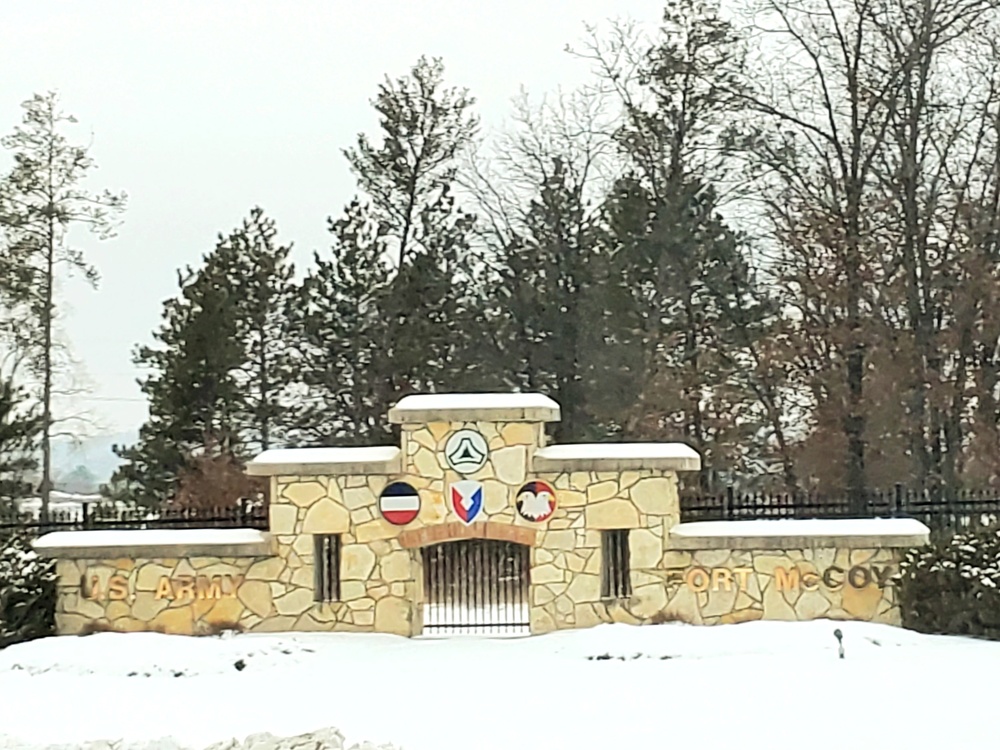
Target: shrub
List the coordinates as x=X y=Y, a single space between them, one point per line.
x=953 y=586
x=27 y=592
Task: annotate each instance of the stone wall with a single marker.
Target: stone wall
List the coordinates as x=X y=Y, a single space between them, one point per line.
x=170 y=595
x=727 y=586
x=381 y=569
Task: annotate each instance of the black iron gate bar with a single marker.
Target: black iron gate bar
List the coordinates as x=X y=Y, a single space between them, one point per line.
x=476 y=586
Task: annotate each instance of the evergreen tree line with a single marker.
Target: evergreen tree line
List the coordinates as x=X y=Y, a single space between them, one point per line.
x=774 y=238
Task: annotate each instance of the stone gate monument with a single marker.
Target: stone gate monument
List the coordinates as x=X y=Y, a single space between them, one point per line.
x=475 y=524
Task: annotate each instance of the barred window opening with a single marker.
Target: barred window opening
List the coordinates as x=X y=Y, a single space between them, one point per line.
x=327 y=567
x=615 y=579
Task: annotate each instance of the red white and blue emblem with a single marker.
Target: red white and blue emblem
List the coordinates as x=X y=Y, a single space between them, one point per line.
x=466 y=499
x=399 y=503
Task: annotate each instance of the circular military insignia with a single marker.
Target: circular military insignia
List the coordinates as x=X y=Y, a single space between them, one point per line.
x=466 y=451
x=536 y=501
x=399 y=503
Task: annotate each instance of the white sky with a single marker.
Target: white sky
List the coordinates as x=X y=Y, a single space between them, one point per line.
x=201 y=109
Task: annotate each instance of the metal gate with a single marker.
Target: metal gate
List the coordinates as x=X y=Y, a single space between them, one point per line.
x=476 y=586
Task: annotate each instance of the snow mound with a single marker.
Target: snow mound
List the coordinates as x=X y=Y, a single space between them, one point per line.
x=323 y=739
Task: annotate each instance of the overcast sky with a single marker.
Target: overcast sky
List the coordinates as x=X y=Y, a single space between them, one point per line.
x=201 y=109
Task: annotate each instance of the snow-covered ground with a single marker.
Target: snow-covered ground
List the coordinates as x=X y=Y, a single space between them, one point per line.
x=749 y=686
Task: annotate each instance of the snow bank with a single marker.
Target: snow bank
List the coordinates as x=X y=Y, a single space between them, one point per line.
x=755 y=686
x=794 y=527
x=323 y=739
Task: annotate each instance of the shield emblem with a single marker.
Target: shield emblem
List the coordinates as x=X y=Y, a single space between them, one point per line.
x=466 y=499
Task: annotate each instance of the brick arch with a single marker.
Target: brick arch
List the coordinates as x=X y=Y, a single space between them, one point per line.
x=450 y=532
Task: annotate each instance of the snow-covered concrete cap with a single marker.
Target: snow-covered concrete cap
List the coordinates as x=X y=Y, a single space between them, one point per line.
x=616 y=457
x=377 y=459
x=789 y=533
x=474 y=407
x=147 y=543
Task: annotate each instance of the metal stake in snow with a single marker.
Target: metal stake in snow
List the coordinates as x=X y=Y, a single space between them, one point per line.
x=840 y=641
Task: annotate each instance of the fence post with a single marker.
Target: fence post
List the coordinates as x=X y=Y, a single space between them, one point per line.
x=897 y=501
x=730 y=503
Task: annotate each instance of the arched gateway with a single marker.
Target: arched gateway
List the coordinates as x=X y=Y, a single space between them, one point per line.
x=476 y=587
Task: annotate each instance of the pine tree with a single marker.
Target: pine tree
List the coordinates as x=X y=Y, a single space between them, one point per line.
x=192 y=389
x=342 y=337
x=41 y=201
x=20 y=431
x=221 y=369
x=408 y=181
x=260 y=276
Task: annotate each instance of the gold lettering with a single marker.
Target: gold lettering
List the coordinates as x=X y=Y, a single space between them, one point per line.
x=234 y=584
x=744 y=575
x=117 y=588
x=698 y=587
x=209 y=588
x=184 y=587
x=163 y=590
x=810 y=581
x=786 y=580
x=721 y=576
x=95 y=592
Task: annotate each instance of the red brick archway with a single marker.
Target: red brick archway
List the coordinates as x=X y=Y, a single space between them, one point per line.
x=449 y=532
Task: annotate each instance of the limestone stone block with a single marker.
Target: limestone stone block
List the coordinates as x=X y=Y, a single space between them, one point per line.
x=304 y=546
x=295 y=602
x=266 y=570
x=564 y=608
x=612 y=514
x=767 y=563
x=584 y=588
x=720 y=602
x=395 y=566
x=510 y=464
x=546 y=574
x=861 y=603
x=67 y=571
x=497 y=497
x=364 y=617
x=741 y=615
x=541 y=621
x=811 y=605
x=70 y=624
x=326 y=517
x=602 y=491
x=575 y=562
x=645 y=548
x=149 y=576
x=541 y=556
x=77 y=605
x=357 y=562
x=375 y=530
x=282 y=518
x=711 y=558
x=677 y=559
x=226 y=611
x=861 y=556
x=146 y=606
x=174 y=620
x=256 y=596
x=775 y=605
x=541 y=595
x=425 y=463
x=683 y=607
x=351 y=590
x=304 y=576
x=587 y=616
x=649 y=600
x=392 y=615
x=275 y=625
x=514 y=433
x=304 y=494
x=358 y=497
x=654 y=495
x=561 y=540
x=116 y=609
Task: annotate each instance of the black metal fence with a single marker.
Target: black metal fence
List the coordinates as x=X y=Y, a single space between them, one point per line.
x=937 y=509
x=100 y=516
